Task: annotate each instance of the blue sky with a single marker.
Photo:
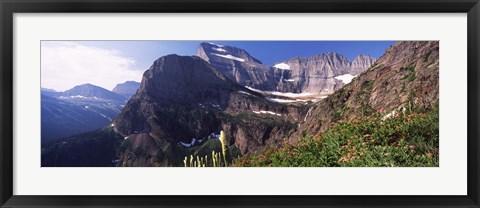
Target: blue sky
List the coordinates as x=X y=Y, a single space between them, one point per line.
x=269 y=52
x=105 y=63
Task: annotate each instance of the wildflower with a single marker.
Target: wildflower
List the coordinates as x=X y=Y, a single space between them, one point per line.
x=224 y=149
x=411 y=147
x=213 y=159
x=430 y=155
x=367 y=135
x=343 y=159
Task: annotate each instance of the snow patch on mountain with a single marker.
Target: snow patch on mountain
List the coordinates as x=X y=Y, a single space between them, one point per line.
x=103 y=115
x=283 y=94
x=267 y=112
x=219 y=49
x=290 y=94
x=253 y=89
x=228 y=56
x=218 y=45
x=278 y=100
x=282 y=66
x=346 y=78
x=243 y=92
x=189 y=144
x=198 y=141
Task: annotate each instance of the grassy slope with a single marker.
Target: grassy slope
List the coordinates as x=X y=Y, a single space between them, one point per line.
x=406 y=140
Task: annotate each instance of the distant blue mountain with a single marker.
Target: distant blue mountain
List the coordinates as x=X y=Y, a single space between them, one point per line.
x=83 y=108
x=89 y=91
x=127 y=89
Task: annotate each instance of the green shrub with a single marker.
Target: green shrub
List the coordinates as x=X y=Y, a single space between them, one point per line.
x=410 y=69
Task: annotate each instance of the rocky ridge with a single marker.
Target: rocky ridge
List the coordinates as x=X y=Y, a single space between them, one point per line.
x=405 y=78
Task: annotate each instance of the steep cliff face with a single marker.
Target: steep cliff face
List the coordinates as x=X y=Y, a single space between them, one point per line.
x=323 y=73
x=404 y=78
x=169 y=101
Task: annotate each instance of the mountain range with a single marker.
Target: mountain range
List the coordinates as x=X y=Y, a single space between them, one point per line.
x=83 y=108
x=183 y=102
x=319 y=74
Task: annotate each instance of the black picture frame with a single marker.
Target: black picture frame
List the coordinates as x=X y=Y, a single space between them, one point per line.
x=9 y=7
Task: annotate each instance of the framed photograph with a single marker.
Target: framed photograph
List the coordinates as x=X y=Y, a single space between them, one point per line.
x=266 y=103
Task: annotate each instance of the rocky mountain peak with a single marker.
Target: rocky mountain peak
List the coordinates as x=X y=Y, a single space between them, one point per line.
x=92 y=91
x=127 y=88
x=360 y=63
x=185 y=97
x=177 y=79
x=213 y=52
x=184 y=83
x=238 y=65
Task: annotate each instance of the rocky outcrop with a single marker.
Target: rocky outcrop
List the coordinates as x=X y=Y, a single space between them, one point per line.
x=251 y=136
x=405 y=77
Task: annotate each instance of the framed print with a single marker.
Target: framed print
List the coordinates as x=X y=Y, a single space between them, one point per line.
x=239 y=104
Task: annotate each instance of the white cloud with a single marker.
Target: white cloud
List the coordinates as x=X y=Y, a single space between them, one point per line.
x=67 y=64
